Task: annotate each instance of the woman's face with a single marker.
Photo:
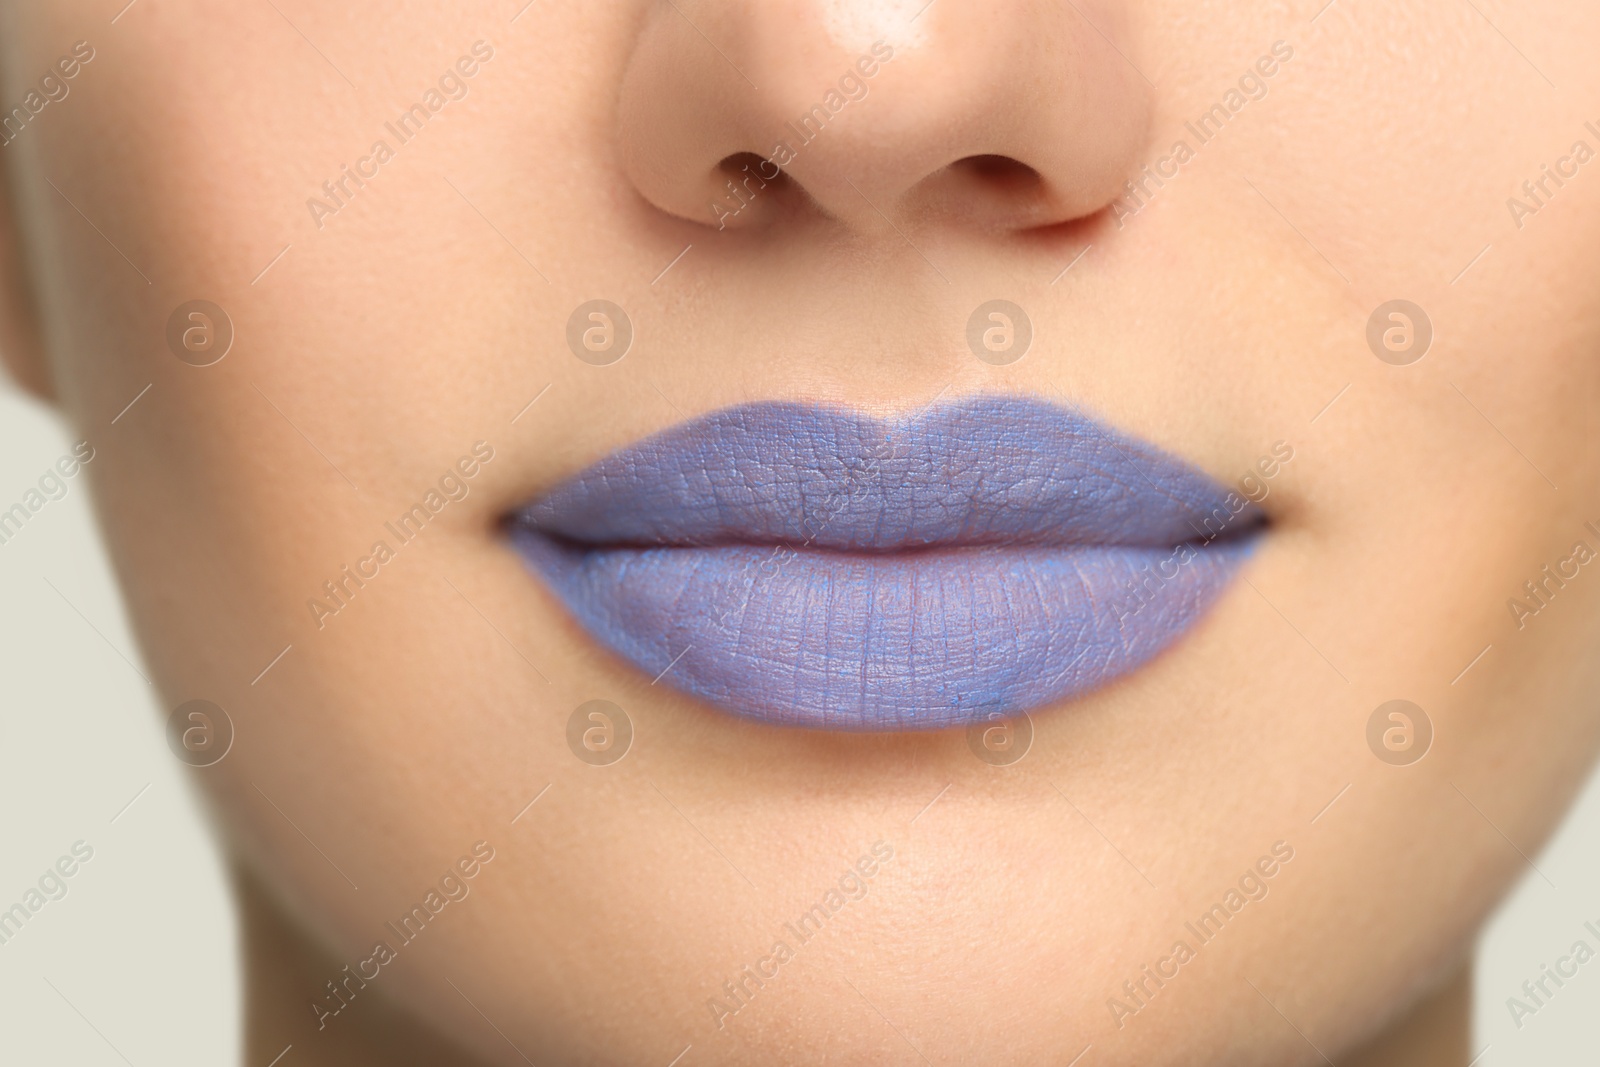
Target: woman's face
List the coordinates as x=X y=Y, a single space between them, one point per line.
x=418 y=334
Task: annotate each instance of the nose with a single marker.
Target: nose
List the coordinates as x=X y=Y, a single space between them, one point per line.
x=998 y=115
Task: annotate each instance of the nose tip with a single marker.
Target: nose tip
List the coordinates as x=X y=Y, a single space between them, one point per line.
x=735 y=113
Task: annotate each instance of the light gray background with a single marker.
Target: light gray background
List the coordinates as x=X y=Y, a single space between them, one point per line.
x=138 y=963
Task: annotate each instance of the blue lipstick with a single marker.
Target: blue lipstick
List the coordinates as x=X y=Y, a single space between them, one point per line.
x=825 y=568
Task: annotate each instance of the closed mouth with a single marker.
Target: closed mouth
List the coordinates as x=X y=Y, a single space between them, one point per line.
x=822 y=567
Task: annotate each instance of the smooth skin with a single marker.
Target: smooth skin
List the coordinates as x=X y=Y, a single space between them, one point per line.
x=1229 y=313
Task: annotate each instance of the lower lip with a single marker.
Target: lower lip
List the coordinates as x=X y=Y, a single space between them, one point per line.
x=886 y=641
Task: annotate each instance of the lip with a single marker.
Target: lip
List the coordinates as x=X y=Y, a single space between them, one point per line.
x=823 y=567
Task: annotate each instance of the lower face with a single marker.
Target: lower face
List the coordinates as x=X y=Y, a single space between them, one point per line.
x=620 y=912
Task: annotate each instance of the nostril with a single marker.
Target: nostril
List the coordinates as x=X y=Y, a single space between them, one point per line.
x=748 y=187
x=748 y=166
x=997 y=192
x=1001 y=173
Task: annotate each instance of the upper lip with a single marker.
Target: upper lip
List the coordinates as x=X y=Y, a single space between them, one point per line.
x=990 y=472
